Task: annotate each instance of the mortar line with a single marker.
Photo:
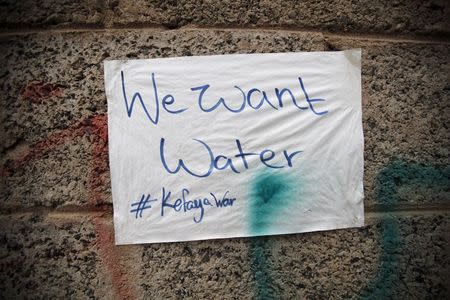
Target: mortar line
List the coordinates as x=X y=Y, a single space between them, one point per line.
x=398 y=38
x=405 y=213
x=108 y=211
x=380 y=208
x=86 y=210
x=380 y=37
x=77 y=29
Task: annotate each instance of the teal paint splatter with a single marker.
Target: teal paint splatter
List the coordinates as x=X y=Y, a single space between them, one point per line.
x=261 y=268
x=391 y=243
x=397 y=174
x=268 y=188
x=270 y=193
x=400 y=173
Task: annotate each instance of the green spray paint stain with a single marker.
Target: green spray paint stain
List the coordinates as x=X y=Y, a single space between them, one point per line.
x=399 y=174
x=270 y=194
x=261 y=268
x=396 y=175
x=388 y=275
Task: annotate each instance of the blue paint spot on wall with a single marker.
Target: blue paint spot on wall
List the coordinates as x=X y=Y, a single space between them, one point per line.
x=274 y=190
x=396 y=175
x=400 y=173
x=388 y=275
x=270 y=193
x=261 y=268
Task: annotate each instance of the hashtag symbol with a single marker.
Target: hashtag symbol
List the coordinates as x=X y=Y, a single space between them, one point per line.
x=144 y=203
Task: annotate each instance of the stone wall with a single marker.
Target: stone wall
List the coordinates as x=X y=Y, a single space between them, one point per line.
x=56 y=211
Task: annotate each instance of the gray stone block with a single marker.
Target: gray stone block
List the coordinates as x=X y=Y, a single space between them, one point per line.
x=43 y=258
x=406 y=112
x=393 y=257
x=339 y=15
x=34 y=13
x=72 y=255
x=418 y=17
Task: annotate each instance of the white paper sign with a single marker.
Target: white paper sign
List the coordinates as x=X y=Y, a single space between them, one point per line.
x=235 y=145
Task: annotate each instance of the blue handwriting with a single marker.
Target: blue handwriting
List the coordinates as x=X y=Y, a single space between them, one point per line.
x=254 y=99
x=222 y=162
x=186 y=204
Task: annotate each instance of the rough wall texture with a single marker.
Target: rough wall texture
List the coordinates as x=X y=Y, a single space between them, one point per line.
x=56 y=237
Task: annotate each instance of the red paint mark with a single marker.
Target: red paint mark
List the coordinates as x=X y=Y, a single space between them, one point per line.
x=41 y=148
x=97 y=128
x=100 y=126
x=99 y=167
x=111 y=257
x=38 y=91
